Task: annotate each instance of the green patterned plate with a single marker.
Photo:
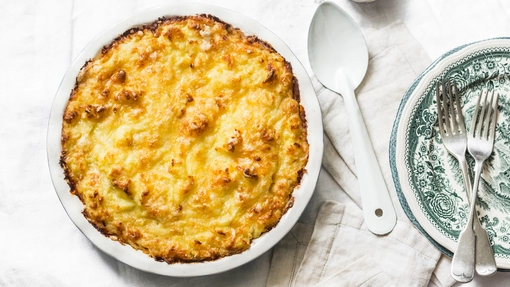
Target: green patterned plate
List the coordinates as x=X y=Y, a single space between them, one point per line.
x=427 y=178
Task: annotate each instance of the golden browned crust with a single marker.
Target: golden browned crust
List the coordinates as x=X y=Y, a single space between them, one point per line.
x=185 y=139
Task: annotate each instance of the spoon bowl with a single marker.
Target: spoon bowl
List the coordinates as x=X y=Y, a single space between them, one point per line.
x=329 y=51
x=339 y=58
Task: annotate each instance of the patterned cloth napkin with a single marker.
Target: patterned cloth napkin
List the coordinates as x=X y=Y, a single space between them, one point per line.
x=338 y=248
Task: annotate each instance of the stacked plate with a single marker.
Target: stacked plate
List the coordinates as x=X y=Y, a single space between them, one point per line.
x=427 y=178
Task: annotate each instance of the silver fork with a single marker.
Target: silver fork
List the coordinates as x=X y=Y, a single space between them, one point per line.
x=453 y=134
x=480 y=146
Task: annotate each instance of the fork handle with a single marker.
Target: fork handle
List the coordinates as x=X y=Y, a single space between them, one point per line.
x=463 y=262
x=473 y=241
x=485 y=262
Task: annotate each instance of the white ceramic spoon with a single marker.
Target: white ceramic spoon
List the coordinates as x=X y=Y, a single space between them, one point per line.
x=339 y=58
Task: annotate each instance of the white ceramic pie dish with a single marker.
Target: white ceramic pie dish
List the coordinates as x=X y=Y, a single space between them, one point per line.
x=138 y=259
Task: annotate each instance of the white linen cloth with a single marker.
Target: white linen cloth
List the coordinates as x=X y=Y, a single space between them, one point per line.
x=343 y=252
x=40 y=246
x=341 y=249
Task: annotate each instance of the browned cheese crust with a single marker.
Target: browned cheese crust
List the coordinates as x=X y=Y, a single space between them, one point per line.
x=185 y=139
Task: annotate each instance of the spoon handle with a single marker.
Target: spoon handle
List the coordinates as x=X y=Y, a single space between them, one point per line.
x=379 y=213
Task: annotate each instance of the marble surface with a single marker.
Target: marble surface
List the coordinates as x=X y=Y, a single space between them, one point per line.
x=39 y=245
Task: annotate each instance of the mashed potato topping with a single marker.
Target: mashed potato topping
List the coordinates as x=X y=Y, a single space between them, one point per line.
x=185 y=139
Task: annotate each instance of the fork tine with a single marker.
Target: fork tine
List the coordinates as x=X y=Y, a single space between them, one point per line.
x=494 y=119
x=459 y=109
x=439 y=104
x=453 y=113
x=475 y=117
x=446 y=108
x=486 y=120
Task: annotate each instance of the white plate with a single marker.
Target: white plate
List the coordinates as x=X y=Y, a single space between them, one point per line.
x=138 y=259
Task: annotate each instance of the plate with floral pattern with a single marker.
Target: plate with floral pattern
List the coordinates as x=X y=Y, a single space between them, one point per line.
x=427 y=178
